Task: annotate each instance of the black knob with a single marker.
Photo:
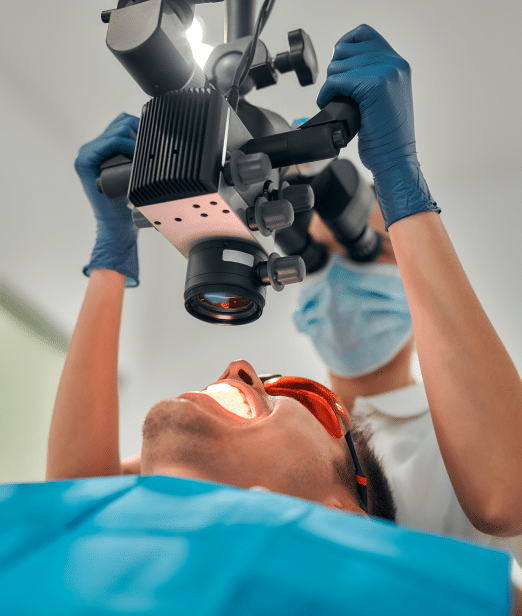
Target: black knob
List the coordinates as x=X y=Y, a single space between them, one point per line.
x=301 y=58
x=289 y=269
x=279 y=271
x=141 y=221
x=301 y=196
x=277 y=214
x=254 y=168
x=241 y=170
x=267 y=216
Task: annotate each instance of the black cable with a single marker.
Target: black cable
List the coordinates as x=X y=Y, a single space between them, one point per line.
x=248 y=55
x=246 y=61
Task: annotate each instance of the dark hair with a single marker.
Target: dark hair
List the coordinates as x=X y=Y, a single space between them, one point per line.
x=381 y=503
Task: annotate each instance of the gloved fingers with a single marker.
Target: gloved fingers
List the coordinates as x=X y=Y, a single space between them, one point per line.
x=352 y=87
x=118 y=138
x=366 y=52
x=365 y=34
x=92 y=155
x=332 y=86
x=365 y=59
x=365 y=78
x=359 y=56
x=124 y=125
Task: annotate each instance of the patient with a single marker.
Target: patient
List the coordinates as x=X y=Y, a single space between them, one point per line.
x=283 y=448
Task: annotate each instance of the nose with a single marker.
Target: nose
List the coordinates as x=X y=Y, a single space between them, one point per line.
x=241 y=370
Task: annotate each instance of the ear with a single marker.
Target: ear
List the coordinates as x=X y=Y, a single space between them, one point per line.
x=346 y=505
x=131 y=465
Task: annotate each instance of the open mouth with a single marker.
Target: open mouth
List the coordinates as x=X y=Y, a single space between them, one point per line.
x=231 y=399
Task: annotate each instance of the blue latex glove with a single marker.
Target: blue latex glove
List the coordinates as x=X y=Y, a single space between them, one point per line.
x=366 y=68
x=116 y=243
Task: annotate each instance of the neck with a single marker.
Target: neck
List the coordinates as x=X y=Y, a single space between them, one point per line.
x=394 y=375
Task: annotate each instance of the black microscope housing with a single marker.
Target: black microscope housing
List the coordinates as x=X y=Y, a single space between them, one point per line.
x=221 y=179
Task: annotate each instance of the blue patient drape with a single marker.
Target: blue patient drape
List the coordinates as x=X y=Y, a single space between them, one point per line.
x=163 y=545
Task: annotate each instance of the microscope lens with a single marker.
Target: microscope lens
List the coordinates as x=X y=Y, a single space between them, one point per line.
x=224 y=301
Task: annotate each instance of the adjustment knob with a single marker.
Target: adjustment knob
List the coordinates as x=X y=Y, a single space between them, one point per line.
x=254 y=168
x=280 y=271
x=268 y=216
x=140 y=220
x=301 y=196
x=277 y=214
x=289 y=269
x=301 y=58
x=242 y=169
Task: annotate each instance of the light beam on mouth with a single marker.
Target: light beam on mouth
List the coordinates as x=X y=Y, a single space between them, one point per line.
x=230 y=398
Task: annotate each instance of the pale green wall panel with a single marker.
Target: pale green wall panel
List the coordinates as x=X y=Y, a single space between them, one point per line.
x=30 y=371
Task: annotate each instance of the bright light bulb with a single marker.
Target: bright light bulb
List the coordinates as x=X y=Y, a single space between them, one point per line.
x=200 y=50
x=195 y=32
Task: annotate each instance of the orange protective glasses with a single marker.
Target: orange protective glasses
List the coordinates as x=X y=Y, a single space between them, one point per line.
x=326 y=407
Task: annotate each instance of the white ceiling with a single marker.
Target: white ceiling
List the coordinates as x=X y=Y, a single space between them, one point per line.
x=60 y=87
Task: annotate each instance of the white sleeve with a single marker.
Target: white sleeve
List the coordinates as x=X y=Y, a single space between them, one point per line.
x=412 y=462
x=408 y=449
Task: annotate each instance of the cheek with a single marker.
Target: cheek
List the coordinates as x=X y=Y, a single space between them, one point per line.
x=296 y=431
x=293 y=460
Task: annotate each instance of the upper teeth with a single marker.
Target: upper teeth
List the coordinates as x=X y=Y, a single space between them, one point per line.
x=231 y=398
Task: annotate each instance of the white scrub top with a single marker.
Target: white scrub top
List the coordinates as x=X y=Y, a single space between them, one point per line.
x=404 y=440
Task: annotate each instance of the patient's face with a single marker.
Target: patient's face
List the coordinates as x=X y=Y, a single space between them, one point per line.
x=283 y=447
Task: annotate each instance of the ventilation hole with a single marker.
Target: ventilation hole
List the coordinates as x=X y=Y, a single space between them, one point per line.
x=196 y=205
x=177 y=219
x=226 y=211
x=213 y=203
x=204 y=215
x=157 y=222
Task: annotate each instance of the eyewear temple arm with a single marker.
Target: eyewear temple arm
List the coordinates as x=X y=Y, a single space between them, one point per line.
x=359 y=474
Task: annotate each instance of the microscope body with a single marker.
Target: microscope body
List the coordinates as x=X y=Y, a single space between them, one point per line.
x=210 y=178
x=178 y=174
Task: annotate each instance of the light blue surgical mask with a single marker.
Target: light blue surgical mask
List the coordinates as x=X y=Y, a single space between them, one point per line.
x=356 y=315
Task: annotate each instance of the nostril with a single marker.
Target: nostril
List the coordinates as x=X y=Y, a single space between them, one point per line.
x=244 y=376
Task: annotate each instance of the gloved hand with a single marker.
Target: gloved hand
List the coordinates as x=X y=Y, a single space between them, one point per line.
x=366 y=68
x=116 y=246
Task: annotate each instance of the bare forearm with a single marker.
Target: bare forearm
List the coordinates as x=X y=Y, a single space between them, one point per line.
x=473 y=388
x=83 y=441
